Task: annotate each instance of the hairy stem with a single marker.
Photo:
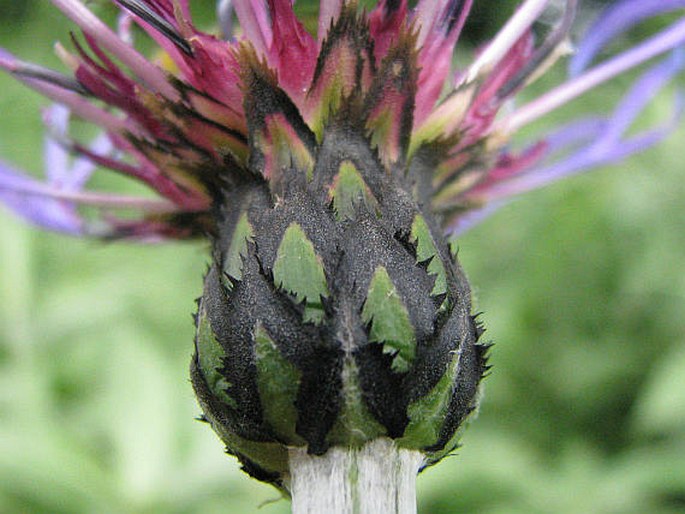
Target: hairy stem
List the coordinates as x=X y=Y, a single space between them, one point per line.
x=378 y=478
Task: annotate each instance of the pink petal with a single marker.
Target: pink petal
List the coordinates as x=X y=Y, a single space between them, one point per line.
x=329 y=10
x=144 y=69
x=385 y=23
x=255 y=21
x=438 y=39
x=293 y=52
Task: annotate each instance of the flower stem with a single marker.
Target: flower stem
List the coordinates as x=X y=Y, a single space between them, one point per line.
x=378 y=478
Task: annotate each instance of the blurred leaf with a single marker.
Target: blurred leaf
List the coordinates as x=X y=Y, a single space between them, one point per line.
x=660 y=408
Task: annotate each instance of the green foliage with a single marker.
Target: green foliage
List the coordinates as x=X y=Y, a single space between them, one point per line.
x=210 y=355
x=278 y=381
x=238 y=247
x=349 y=190
x=355 y=424
x=269 y=456
x=299 y=271
x=390 y=323
x=425 y=250
x=426 y=413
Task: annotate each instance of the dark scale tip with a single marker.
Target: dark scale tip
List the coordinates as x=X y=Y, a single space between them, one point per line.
x=463 y=402
x=259 y=473
x=542 y=53
x=318 y=400
x=392 y=5
x=384 y=390
x=453 y=12
x=148 y=15
x=35 y=72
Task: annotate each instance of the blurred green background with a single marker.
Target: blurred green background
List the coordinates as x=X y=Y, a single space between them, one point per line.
x=582 y=288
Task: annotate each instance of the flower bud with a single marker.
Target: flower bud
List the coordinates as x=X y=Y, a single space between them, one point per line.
x=333 y=314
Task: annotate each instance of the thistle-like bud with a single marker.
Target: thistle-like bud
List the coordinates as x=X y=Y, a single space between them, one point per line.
x=321 y=327
x=333 y=312
x=326 y=169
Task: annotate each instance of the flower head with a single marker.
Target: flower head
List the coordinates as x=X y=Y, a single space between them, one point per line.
x=182 y=124
x=326 y=169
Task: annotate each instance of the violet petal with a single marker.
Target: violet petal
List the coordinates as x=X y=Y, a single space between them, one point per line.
x=614 y=20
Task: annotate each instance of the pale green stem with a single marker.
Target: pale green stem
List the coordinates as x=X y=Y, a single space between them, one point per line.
x=378 y=478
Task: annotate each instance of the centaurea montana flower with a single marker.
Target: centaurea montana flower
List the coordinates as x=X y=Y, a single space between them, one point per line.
x=326 y=171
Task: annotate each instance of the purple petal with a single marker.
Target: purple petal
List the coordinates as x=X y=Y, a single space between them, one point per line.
x=82 y=167
x=54 y=207
x=616 y=19
x=513 y=31
x=124 y=25
x=444 y=22
x=56 y=158
x=425 y=14
x=59 y=169
x=32 y=72
x=648 y=138
x=81 y=107
x=606 y=141
x=49 y=214
x=661 y=43
x=642 y=92
x=53 y=204
x=224 y=13
x=600 y=154
x=575 y=134
x=464 y=222
x=548 y=51
x=8 y=61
